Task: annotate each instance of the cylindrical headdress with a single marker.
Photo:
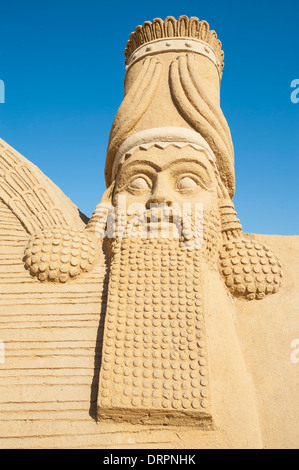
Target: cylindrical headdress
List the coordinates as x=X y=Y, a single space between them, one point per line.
x=173 y=75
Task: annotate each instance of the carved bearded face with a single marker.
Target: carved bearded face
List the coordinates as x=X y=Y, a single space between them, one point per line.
x=179 y=180
x=166 y=176
x=155 y=349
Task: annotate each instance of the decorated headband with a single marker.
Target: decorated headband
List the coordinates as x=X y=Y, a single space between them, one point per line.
x=162 y=136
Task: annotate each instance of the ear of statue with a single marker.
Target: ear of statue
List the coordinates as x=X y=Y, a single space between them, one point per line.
x=98 y=219
x=108 y=194
x=230 y=224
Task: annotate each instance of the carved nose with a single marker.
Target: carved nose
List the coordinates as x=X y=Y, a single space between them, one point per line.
x=160 y=192
x=159 y=198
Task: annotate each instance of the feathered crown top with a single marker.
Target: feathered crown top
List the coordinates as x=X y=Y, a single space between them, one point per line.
x=183 y=27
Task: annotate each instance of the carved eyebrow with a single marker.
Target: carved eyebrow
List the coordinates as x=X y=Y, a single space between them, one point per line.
x=184 y=160
x=147 y=163
x=192 y=161
x=159 y=167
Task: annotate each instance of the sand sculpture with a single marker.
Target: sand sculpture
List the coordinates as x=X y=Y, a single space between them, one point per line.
x=177 y=294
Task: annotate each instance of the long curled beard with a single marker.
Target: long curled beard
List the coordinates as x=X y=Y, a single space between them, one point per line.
x=154 y=363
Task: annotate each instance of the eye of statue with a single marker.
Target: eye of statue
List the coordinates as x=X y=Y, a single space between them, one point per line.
x=140 y=183
x=187 y=183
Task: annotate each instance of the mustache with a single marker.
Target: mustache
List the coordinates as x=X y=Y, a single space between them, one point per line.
x=162 y=213
x=157 y=212
x=162 y=222
x=181 y=222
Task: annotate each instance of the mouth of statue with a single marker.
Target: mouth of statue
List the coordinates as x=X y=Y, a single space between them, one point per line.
x=161 y=223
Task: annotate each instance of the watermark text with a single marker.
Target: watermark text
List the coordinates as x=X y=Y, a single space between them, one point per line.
x=2 y=92
x=157 y=221
x=295 y=93
x=295 y=352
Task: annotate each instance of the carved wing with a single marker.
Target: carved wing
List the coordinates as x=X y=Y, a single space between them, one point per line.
x=33 y=199
x=39 y=225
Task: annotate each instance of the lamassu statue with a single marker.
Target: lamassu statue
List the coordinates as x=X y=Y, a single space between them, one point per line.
x=159 y=320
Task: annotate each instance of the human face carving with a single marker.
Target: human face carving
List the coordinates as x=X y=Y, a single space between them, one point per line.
x=155 y=285
x=167 y=176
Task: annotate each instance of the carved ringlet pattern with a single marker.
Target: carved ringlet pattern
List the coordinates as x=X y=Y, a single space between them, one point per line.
x=154 y=355
x=170 y=27
x=250 y=269
x=60 y=254
x=211 y=238
x=134 y=106
x=203 y=116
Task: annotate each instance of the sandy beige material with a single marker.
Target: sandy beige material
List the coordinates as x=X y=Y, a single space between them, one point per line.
x=159 y=323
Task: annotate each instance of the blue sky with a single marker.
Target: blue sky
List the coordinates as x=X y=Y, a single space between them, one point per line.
x=63 y=66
